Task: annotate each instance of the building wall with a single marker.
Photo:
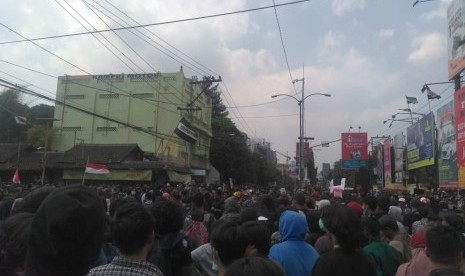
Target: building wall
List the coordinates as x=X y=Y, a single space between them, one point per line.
x=147 y=101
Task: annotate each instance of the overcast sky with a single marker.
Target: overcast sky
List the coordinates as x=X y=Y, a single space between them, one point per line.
x=368 y=54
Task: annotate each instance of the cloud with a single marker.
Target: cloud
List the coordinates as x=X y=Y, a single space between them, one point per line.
x=331 y=41
x=439 y=13
x=386 y=33
x=340 y=7
x=427 y=48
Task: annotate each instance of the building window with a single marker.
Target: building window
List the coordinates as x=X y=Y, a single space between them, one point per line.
x=72 y=129
x=109 y=96
x=75 y=97
x=143 y=95
x=101 y=129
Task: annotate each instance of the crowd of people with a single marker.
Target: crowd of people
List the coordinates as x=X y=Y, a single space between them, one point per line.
x=104 y=229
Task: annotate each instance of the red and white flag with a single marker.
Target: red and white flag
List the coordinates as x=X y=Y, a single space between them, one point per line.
x=16 y=179
x=95 y=168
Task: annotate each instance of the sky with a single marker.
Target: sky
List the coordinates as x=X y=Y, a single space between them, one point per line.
x=368 y=54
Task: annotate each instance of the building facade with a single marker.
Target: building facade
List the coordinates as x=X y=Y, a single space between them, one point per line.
x=142 y=109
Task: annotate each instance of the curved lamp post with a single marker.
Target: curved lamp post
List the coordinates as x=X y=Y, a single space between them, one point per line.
x=301 y=127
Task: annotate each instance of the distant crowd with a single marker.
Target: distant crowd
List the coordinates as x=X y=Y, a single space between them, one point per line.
x=190 y=229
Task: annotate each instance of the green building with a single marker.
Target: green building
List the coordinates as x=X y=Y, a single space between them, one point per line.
x=142 y=109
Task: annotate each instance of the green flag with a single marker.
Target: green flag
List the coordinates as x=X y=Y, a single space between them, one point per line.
x=411 y=100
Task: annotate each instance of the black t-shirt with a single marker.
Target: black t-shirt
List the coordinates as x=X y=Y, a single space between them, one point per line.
x=338 y=262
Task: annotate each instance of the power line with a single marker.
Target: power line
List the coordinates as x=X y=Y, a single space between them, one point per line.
x=154 y=24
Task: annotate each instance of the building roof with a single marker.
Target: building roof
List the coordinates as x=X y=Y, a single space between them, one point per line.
x=101 y=153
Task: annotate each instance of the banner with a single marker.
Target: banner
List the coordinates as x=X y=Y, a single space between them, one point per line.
x=456 y=34
x=380 y=164
x=459 y=98
x=387 y=162
x=420 y=150
x=447 y=147
x=354 y=150
x=306 y=152
x=399 y=157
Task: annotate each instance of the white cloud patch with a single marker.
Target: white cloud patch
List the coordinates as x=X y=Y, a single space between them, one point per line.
x=331 y=41
x=427 y=48
x=386 y=33
x=340 y=7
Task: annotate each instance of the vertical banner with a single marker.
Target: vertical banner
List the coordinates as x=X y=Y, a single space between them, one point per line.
x=306 y=152
x=459 y=105
x=354 y=150
x=456 y=33
x=380 y=164
x=447 y=147
x=387 y=162
x=399 y=157
x=420 y=149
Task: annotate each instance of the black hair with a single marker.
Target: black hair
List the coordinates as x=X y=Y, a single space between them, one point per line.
x=230 y=241
x=114 y=205
x=168 y=216
x=344 y=224
x=415 y=203
x=259 y=236
x=14 y=238
x=371 y=202
x=32 y=201
x=299 y=198
x=455 y=221
x=371 y=227
x=131 y=227
x=197 y=199
x=251 y=266
x=443 y=245
x=423 y=211
x=383 y=203
x=249 y=214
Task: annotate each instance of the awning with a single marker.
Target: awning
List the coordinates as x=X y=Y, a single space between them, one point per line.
x=178 y=177
x=129 y=175
x=199 y=172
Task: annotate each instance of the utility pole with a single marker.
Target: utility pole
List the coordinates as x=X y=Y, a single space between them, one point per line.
x=301 y=136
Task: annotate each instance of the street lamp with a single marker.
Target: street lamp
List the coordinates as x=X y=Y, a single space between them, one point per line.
x=301 y=127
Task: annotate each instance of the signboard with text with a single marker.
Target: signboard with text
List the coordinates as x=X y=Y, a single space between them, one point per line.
x=447 y=146
x=459 y=106
x=380 y=164
x=354 y=150
x=420 y=150
x=456 y=37
x=399 y=157
x=387 y=162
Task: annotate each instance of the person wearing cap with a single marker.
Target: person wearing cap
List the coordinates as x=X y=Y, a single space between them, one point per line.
x=419 y=264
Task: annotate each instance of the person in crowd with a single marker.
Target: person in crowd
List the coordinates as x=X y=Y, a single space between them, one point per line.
x=252 y=266
x=390 y=234
x=147 y=201
x=444 y=249
x=413 y=216
x=298 y=203
x=259 y=238
x=32 y=201
x=249 y=214
x=370 y=205
x=66 y=233
x=422 y=224
x=403 y=236
x=346 y=233
x=132 y=232
x=296 y=256
x=14 y=236
x=195 y=228
x=232 y=211
x=171 y=251
x=385 y=257
x=229 y=241
x=419 y=264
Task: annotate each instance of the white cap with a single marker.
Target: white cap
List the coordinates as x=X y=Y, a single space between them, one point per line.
x=401 y=199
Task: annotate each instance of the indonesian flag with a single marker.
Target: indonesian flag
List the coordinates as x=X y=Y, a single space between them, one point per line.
x=16 y=179
x=95 y=168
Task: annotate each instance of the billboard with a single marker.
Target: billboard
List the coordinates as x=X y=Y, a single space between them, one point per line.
x=380 y=164
x=447 y=147
x=399 y=157
x=354 y=150
x=459 y=106
x=420 y=150
x=456 y=37
x=387 y=162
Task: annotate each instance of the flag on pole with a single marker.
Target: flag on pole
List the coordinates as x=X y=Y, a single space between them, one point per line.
x=411 y=100
x=94 y=168
x=20 y=120
x=16 y=178
x=431 y=94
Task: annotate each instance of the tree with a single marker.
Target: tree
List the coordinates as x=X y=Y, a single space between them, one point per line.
x=312 y=171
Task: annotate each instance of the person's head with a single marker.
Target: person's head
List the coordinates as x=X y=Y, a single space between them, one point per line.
x=415 y=203
x=371 y=227
x=388 y=226
x=455 y=221
x=132 y=228
x=355 y=207
x=249 y=214
x=395 y=212
x=443 y=245
x=298 y=200
x=251 y=266
x=14 y=238
x=259 y=238
x=66 y=232
x=370 y=204
x=292 y=226
x=168 y=217
x=344 y=226
x=197 y=200
x=229 y=241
